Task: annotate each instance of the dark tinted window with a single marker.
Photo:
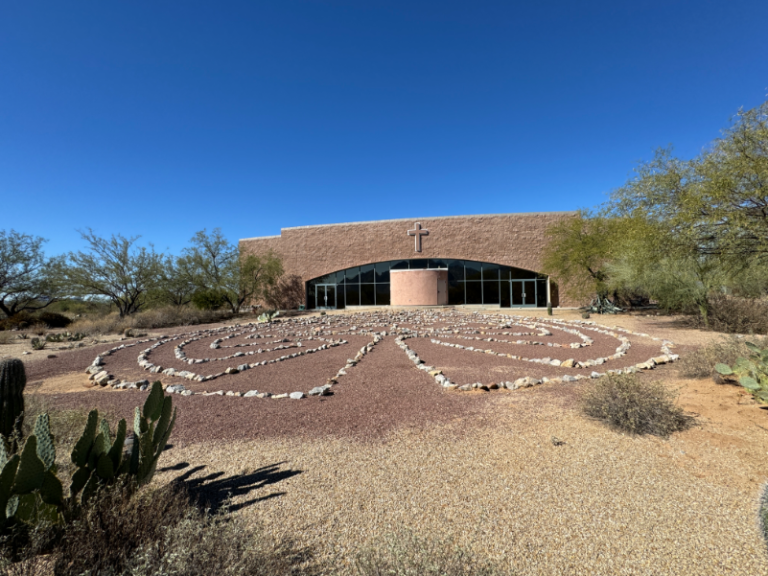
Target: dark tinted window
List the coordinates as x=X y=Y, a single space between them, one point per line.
x=382 y=272
x=472 y=270
x=474 y=292
x=418 y=264
x=456 y=270
x=353 y=294
x=455 y=293
x=353 y=275
x=490 y=272
x=382 y=295
x=367 y=295
x=490 y=292
x=366 y=273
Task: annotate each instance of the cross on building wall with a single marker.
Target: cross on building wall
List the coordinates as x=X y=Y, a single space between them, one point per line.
x=417 y=232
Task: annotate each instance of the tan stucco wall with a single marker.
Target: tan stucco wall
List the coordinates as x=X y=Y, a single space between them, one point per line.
x=418 y=287
x=509 y=239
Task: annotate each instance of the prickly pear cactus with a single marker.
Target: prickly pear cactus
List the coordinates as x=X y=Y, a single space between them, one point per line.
x=99 y=459
x=13 y=379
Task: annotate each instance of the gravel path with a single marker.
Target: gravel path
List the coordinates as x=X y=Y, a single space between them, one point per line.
x=602 y=503
x=390 y=450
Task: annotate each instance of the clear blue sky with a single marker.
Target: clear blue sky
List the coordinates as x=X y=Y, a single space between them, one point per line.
x=163 y=118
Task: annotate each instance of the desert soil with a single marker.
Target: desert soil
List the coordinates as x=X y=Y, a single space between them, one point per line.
x=390 y=450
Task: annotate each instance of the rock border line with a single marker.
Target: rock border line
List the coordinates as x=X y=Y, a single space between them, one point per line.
x=101 y=376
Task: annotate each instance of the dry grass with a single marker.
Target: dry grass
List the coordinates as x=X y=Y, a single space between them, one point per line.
x=635 y=406
x=701 y=362
x=8 y=338
x=739 y=315
x=164 y=317
x=157 y=531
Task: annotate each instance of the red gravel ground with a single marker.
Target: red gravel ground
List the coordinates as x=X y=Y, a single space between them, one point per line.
x=383 y=391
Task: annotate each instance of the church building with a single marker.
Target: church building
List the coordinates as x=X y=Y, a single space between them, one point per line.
x=489 y=260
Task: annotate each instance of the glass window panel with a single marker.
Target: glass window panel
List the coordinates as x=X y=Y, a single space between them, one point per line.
x=366 y=273
x=474 y=292
x=541 y=293
x=339 y=277
x=472 y=270
x=353 y=275
x=490 y=271
x=310 y=297
x=353 y=294
x=504 y=272
x=456 y=270
x=490 y=292
x=367 y=295
x=520 y=274
x=399 y=265
x=382 y=295
x=504 y=295
x=382 y=271
x=418 y=264
x=455 y=293
x=438 y=263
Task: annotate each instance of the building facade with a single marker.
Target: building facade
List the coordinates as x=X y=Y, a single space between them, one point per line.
x=490 y=260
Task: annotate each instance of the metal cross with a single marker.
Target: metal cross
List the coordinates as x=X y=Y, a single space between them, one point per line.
x=418 y=233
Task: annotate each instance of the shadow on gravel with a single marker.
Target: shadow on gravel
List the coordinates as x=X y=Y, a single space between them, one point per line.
x=214 y=490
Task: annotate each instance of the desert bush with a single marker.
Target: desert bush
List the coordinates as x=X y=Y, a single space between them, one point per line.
x=176 y=316
x=164 y=317
x=736 y=315
x=208 y=300
x=52 y=319
x=38 y=321
x=701 y=362
x=38 y=343
x=632 y=405
x=8 y=338
x=407 y=554
x=161 y=532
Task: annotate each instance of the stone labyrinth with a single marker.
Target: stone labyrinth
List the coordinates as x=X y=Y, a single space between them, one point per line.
x=301 y=356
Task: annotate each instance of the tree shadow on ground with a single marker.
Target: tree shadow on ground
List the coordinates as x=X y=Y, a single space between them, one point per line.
x=214 y=490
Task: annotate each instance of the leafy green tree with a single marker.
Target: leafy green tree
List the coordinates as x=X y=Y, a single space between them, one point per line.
x=578 y=252
x=175 y=284
x=717 y=202
x=705 y=220
x=115 y=269
x=28 y=280
x=218 y=266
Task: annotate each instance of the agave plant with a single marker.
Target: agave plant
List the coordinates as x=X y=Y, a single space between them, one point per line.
x=267 y=316
x=752 y=372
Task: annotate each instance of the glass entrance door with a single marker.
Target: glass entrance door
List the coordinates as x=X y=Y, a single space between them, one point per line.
x=325 y=296
x=523 y=292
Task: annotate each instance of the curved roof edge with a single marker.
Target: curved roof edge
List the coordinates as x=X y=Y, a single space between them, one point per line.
x=412 y=220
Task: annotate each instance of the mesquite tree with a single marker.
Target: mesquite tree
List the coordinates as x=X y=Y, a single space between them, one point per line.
x=218 y=266
x=28 y=280
x=115 y=269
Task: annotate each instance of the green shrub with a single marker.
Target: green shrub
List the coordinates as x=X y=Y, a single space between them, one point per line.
x=207 y=300
x=37 y=343
x=751 y=371
x=157 y=531
x=52 y=319
x=24 y=320
x=407 y=554
x=631 y=405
